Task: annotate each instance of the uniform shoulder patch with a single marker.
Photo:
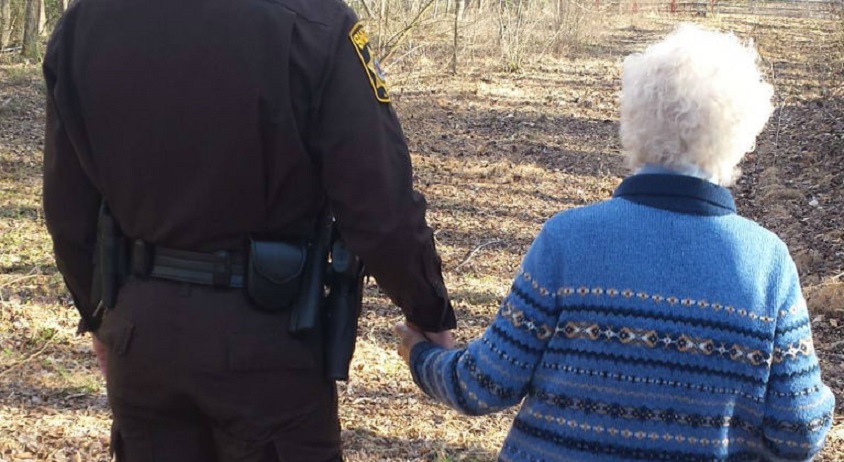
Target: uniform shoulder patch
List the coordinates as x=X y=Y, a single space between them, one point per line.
x=360 y=40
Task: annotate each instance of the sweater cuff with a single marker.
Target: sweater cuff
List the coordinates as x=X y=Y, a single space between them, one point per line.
x=416 y=357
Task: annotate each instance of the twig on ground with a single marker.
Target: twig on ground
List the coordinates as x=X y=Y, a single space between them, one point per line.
x=834 y=345
x=31 y=356
x=779 y=123
x=773 y=71
x=32 y=273
x=476 y=250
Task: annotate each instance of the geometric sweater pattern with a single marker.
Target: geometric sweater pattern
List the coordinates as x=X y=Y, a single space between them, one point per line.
x=655 y=326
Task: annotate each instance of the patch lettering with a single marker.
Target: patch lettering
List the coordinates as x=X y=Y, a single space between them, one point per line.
x=360 y=40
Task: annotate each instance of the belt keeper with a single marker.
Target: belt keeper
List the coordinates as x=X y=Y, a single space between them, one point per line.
x=142 y=255
x=222 y=276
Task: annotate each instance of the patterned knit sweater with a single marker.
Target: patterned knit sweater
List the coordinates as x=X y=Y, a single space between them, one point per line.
x=655 y=326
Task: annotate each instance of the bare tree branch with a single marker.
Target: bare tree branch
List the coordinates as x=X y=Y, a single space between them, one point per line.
x=367 y=9
x=397 y=39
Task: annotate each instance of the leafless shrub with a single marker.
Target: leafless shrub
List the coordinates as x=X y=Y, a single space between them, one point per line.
x=533 y=29
x=406 y=32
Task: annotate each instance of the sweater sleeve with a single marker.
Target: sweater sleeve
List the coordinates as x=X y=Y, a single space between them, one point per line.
x=494 y=371
x=798 y=406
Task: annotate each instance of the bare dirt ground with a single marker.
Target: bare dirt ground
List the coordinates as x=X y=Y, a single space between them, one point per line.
x=496 y=154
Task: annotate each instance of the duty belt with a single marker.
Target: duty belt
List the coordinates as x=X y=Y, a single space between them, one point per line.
x=223 y=269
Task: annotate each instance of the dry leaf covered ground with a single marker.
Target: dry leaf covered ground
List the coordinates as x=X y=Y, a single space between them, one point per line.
x=496 y=154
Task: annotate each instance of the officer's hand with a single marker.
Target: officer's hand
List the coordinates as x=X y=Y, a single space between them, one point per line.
x=410 y=336
x=102 y=353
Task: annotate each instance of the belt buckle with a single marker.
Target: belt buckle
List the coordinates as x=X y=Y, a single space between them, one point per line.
x=222 y=275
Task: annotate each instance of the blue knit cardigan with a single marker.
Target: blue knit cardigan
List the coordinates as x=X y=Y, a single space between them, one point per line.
x=655 y=326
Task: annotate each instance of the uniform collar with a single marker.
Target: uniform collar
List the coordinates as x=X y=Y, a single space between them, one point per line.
x=677 y=193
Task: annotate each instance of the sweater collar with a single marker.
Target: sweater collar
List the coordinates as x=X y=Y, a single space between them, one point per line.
x=687 y=170
x=677 y=193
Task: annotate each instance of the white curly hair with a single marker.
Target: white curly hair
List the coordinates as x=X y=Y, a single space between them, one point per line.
x=695 y=100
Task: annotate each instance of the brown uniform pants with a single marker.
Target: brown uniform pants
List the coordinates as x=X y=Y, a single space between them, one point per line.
x=196 y=374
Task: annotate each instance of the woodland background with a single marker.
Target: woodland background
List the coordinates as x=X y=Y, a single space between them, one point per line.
x=510 y=108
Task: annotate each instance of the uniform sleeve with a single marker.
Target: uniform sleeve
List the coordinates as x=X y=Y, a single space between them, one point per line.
x=494 y=371
x=71 y=202
x=798 y=406
x=367 y=174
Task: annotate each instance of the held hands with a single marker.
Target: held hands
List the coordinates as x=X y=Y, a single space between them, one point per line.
x=410 y=335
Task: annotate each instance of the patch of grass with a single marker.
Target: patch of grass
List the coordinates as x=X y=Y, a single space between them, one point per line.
x=21 y=74
x=41 y=337
x=826 y=297
x=10 y=107
x=479 y=290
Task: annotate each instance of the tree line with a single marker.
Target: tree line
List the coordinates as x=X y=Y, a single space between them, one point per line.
x=440 y=30
x=455 y=31
x=24 y=22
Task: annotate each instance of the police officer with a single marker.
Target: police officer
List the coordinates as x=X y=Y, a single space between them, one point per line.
x=202 y=123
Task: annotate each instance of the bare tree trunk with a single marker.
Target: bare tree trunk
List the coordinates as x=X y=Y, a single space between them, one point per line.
x=5 y=22
x=30 y=29
x=382 y=22
x=42 y=17
x=55 y=9
x=559 y=14
x=458 y=13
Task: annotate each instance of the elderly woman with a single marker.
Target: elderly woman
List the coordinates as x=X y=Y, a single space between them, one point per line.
x=657 y=325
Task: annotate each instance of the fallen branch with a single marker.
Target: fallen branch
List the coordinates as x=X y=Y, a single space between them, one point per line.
x=476 y=250
x=835 y=345
x=30 y=357
x=32 y=273
x=779 y=123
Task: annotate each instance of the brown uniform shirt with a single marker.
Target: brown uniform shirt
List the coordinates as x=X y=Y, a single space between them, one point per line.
x=202 y=122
